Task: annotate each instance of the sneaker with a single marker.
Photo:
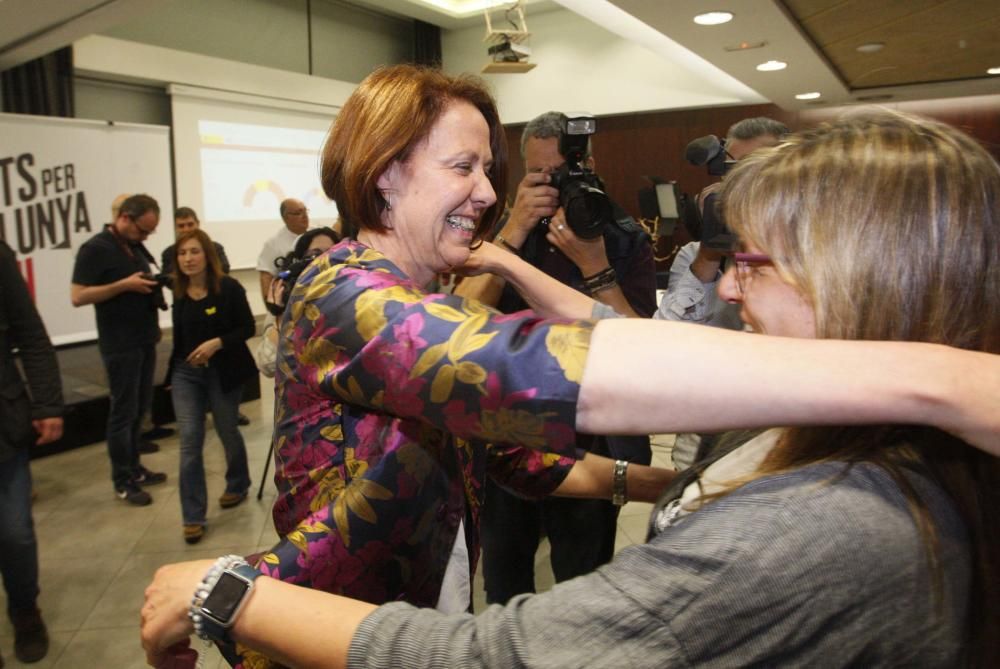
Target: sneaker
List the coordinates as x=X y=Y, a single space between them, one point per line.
x=133 y=494
x=193 y=533
x=146 y=447
x=31 y=639
x=242 y=420
x=147 y=477
x=231 y=499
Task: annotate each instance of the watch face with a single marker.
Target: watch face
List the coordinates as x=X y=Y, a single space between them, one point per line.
x=225 y=597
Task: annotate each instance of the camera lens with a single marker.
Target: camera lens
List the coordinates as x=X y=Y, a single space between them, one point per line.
x=587 y=209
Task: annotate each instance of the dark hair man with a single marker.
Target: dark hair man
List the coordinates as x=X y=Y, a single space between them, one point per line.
x=186 y=220
x=581 y=532
x=111 y=272
x=29 y=418
x=295 y=216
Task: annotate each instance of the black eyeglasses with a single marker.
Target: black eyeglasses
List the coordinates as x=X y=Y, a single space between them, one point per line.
x=141 y=229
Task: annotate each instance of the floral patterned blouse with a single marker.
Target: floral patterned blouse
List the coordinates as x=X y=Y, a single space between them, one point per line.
x=391 y=407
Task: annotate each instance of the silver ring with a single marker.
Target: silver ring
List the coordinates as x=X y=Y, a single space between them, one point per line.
x=560 y=226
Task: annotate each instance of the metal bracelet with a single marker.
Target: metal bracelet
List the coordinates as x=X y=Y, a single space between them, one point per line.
x=619 y=483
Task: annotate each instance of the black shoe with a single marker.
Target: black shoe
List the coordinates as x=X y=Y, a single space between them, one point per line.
x=133 y=494
x=31 y=639
x=158 y=432
x=146 y=447
x=145 y=477
x=242 y=420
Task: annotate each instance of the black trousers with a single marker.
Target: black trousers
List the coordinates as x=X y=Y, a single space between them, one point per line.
x=581 y=533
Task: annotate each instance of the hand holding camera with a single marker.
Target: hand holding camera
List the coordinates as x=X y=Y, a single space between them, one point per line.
x=587 y=254
x=140 y=282
x=535 y=200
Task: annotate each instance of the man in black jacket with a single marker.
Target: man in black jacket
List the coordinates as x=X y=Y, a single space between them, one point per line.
x=25 y=419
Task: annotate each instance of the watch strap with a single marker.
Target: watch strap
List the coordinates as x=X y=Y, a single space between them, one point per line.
x=207 y=627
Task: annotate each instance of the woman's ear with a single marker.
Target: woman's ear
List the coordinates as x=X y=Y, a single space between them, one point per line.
x=388 y=180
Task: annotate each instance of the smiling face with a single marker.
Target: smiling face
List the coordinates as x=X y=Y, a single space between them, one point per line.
x=770 y=305
x=437 y=195
x=191 y=258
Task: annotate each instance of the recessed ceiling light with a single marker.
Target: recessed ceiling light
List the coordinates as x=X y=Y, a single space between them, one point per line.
x=871 y=47
x=807 y=96
x=772 y=66
x=713 y=18
x=993 y=70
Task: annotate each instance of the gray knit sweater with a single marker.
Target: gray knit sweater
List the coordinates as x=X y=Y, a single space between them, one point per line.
x=804 y=569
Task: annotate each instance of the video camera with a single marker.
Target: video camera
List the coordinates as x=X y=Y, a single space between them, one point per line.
x=711 y=152
x=705 y=223
x=581 y=191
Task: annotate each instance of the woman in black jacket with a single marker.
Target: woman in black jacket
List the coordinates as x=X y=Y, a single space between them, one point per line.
x=209 y=364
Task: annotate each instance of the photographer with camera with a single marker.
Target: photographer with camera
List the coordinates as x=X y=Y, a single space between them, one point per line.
x=564 y=224
x=308 y=246
x=112 y=272
x=697 y=268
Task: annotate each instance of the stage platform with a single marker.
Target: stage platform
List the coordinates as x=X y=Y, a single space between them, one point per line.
x=85 y=393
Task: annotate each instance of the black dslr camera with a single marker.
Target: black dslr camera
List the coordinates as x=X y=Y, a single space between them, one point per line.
x=705 y=224
x=581 y=192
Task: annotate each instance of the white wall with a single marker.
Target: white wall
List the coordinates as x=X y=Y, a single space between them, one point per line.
x=583 y=67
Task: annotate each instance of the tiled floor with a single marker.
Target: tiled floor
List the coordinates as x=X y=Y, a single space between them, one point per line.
x=98 y=554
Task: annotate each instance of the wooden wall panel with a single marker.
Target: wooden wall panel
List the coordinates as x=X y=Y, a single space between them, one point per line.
x=627 y=147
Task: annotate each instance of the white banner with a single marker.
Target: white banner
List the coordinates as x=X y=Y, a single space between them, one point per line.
x=58 y=178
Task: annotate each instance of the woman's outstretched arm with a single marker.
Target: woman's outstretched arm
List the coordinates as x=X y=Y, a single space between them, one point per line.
x=645 y=376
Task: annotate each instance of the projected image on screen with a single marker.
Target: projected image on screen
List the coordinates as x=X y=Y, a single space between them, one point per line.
x=247 y=170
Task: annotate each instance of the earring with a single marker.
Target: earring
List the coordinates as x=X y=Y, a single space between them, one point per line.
x=388 y=200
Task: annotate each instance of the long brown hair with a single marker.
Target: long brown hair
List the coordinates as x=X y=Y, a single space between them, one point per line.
x=389 y=113
x=889 y=225
x=213 y=267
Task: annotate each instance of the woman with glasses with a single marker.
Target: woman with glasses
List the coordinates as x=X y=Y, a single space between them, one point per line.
x=791 y=565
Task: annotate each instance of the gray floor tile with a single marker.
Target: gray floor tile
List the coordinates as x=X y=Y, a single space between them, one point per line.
x=117 y=647
x=58 y=642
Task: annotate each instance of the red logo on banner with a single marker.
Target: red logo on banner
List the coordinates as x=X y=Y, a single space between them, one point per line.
x=27 y=268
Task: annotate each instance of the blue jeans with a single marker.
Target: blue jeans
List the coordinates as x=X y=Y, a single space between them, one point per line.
x=195 y=391
x=18 y=548
x=130 y=383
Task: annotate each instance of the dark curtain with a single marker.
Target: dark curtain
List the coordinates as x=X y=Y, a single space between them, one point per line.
x=43 y=86
x=426 y=44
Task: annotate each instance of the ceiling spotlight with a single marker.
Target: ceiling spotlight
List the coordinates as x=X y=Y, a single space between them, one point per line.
x=871 y=47
x=713 y=18
x=993 y=70
x=807 y=96
x=772 y=66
